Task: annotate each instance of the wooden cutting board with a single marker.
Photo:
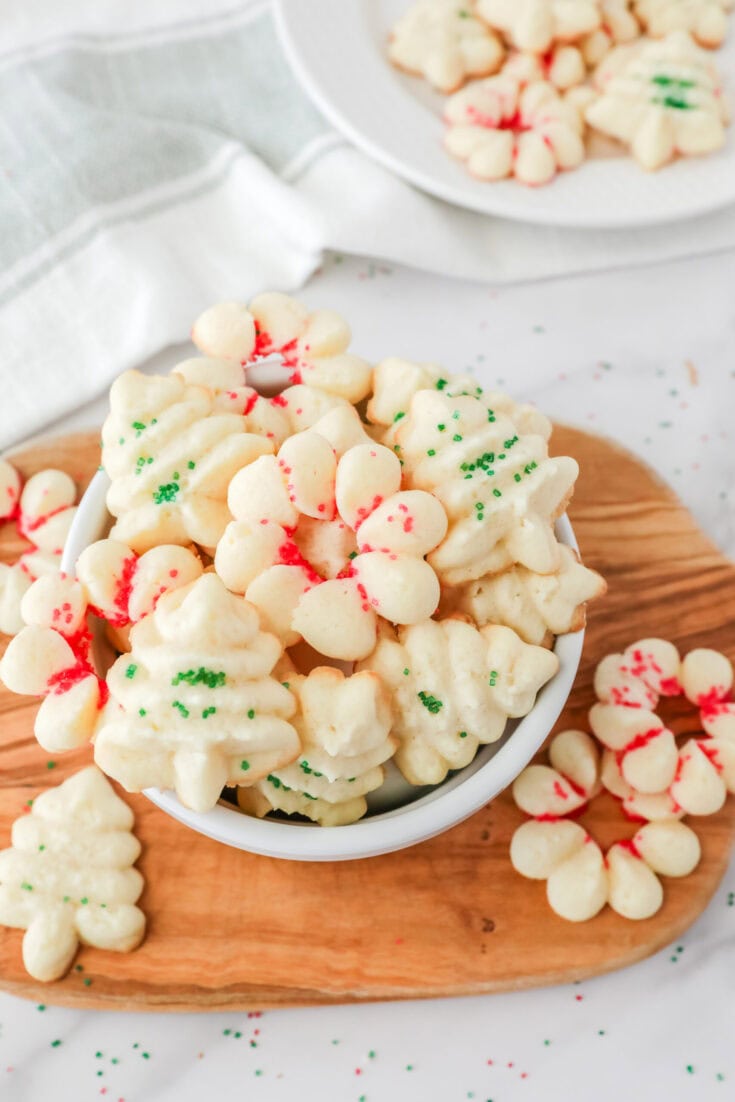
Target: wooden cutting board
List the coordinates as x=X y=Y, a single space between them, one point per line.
x=448 y=917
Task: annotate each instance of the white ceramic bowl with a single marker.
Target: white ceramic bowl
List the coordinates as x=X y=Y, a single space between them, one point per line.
x=399 y=815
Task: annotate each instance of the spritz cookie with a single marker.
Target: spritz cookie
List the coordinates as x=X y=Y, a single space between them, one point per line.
x=444 y=42
x=664 y=100
x=500 y=128
x=68 y=878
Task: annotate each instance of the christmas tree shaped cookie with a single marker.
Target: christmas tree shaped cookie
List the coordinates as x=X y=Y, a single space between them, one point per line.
x=68 y=877
x=499 y=486
x=453 y=688
x=344 y=724
x=194 y=705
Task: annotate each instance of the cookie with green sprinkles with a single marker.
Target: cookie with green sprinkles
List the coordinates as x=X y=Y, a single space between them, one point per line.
x=68 y=876
x=195 y=706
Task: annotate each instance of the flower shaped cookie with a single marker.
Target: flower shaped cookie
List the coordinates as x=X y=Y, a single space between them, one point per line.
x=535 y=25
x=653 y=778
x=51 y=657
x=536 y=606
x=44 y=510
x=312 y=346
x=324 y=546
x=443 y=41
x=705 y=20
x=344 y=725
x=453 y=688
x=500 y=489
x=68 y=876
x=500 y=128
x=194 y=705
x=663 y=99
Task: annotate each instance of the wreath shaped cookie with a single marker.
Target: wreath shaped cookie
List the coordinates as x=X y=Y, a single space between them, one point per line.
x=324 y=546
x=641 y=765
x=44 y=509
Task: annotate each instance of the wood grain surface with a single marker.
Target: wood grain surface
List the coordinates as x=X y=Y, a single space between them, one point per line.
x=448 y=917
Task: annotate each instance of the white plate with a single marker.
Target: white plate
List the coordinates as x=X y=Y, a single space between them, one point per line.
x=337 y=50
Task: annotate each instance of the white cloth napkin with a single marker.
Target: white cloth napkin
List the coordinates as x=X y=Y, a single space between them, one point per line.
x=160 y=158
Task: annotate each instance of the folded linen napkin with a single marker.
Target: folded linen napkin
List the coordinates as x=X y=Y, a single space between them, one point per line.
x=155 y=160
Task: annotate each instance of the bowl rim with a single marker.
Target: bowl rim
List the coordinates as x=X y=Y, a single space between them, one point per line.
x=446 y=805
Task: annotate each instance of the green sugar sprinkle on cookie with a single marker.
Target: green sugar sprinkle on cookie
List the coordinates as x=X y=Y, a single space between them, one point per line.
x=180 y=708
x=430 y=702
x=213 y=679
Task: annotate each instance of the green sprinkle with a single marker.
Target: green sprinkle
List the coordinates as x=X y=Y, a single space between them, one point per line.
x=399 y=415
x=456 y=438
x=409 y=1067
x=50 y=764
x=84 y=901
x=191 y=464
x=41 y=1006
x=352 y=555
x=441 y=427
x=371 y=1054
x=166 y=492
x=226 y=1032
x=244 y=765
x=142 y=712
x=277 y=782
x=308 y=797
x=463 y=734
x=146 y=1055
x=286 y=684
x=213 y=679
x=517 y=477
x=493 y=678
x=430 y=702
x=251 y=713
x=67 y=899
x=26 y=886
x=98 y=1055
x=41 y=849
x=138 y=426
x=180 y=708
x=258 y=1072
x=441 y=383
x=490 y=416
x=497 y=493
x=431 y=451
x=208 y=712
x=87 y=981
x=55 y=1044
x=305 y=767
x=690 y=1069
x=131 y=670
x=406 y=671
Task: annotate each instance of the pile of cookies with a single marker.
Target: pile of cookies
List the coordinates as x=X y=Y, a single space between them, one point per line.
x=656 y=781
x=300 y=588
x=534 y=84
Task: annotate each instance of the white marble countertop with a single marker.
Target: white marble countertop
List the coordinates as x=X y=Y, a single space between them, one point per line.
x=644 y=356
